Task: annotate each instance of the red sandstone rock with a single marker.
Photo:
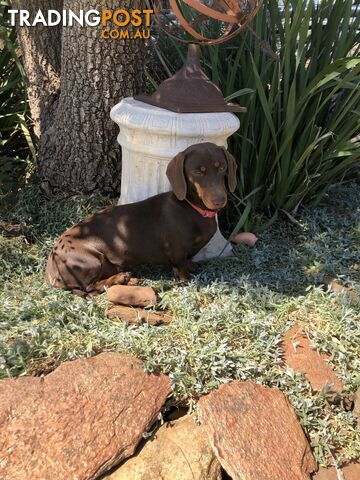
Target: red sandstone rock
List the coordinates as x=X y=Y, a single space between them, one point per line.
x=333 y=284
x=246 y=237
x=255 y=433
x=79 y=421
x=178 y=451
x=356 y=410
x=350 y=472
x=302 y=358
x=132 y=295
x=137 y=316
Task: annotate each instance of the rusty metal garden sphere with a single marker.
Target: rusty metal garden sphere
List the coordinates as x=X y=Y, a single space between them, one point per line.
x=194 y=17
x=190 y=90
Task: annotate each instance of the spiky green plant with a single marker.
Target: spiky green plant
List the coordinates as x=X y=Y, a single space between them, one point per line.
x=301 y=131
x=15 y=140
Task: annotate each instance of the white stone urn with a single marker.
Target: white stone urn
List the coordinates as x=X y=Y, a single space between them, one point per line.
x=150 y=137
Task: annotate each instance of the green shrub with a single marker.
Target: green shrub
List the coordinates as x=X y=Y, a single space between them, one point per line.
x=15 y=139
x=299 y=134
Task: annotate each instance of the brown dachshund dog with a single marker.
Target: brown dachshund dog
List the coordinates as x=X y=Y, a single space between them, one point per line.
x=169 y=228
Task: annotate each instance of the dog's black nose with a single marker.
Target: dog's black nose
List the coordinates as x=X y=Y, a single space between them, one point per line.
x=219 y=202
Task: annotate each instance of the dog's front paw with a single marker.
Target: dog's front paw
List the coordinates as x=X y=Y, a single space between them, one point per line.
x=192 y=266
x=182 y=273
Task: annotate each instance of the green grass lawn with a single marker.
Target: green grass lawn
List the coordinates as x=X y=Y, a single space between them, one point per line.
x=228 y=321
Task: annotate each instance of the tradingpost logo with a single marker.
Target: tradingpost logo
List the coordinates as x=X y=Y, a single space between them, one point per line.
x=117 y=24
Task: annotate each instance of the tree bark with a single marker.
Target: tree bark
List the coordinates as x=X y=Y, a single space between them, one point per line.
x=41 y=56
x=78 y=149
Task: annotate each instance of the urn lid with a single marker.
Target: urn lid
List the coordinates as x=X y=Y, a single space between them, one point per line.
x=190 y=90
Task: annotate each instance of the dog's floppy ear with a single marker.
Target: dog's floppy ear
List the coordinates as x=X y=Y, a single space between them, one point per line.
x=232 y=167
x=176 y=176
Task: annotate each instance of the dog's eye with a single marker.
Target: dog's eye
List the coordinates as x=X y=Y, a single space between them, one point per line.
x=198 y=172
x=222 y=168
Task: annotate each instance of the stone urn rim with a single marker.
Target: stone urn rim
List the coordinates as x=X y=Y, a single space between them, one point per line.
x=126 y=113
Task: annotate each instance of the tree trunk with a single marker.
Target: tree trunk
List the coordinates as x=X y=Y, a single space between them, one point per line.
x=78 y=149
x=41 y=55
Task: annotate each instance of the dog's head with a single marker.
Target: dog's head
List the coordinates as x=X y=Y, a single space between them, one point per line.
x=199 y=173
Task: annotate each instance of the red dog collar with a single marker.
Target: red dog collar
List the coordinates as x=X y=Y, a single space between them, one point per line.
x=203 y=213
